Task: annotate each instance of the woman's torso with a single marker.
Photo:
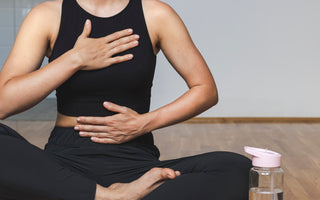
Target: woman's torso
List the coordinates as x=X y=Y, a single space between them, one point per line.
x=127 y=84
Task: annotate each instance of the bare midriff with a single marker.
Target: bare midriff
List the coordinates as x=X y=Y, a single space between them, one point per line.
x=65 y=121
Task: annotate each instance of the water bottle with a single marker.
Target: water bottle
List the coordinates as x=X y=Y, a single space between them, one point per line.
x=266 y=175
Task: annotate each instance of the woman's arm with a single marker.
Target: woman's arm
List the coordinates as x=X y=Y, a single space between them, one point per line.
x=168 y=33
x=176 y=44
x=23 y=84
x=28 y=51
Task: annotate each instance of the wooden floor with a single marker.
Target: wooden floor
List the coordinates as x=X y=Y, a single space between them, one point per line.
x=298 y=143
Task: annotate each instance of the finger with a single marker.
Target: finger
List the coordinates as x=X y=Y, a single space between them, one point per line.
x=86 y=29
x=178 y=173
x=123 y=47
x=117 y=35
x=124 y=40
x=92 y=134
x=119 y=59
x=115 y=108
x=91 y=120
x=104 y=140
x=91 y=128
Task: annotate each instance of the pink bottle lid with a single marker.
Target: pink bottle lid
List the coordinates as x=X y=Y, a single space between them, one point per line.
x=263 y=157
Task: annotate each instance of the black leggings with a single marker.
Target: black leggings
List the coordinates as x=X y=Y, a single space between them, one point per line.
x=70 y=166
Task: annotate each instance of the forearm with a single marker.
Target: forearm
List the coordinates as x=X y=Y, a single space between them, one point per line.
x=193 y=102
x=22 y=92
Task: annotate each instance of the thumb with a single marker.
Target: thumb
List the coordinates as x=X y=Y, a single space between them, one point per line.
x=86 y=29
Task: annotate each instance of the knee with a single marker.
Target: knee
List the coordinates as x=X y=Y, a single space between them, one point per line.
x=229 y=170
x=9 y=132
x=223 y=161
x=235 y=169
x=238 y=160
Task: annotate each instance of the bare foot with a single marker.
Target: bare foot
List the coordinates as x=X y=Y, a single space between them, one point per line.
x=136 y=189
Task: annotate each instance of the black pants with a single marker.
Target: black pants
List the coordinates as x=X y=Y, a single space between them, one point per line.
x=70 y=167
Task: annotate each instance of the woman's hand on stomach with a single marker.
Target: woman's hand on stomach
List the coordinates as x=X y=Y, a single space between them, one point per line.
x=115 y=129
x=97 y=53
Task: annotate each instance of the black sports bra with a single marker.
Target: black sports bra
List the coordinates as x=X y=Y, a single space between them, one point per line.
x=126 y=84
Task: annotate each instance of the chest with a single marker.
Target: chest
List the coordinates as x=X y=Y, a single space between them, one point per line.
x=127 y=76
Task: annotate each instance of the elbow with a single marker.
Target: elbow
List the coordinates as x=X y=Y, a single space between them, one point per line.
x=3 y=113
x=209 y=97
x=3 y=116
x=212 y=94
x=213 y=98
x=5 y=104
x=216 y=97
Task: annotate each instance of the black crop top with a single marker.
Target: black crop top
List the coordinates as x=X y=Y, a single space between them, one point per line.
x=126 y=84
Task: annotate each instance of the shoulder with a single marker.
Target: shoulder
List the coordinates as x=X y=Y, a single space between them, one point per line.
x=44 y=14
x=158 y=10
x=44 y=17
x=46 y=9
x=162 y=18
x=156 y=4
x=160 y=15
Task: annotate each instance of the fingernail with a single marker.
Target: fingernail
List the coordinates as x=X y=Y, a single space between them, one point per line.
x=130 y=30
x=87 y=21
x=105 y=103
x=81 y=133
x=136 y=36
x=130 y=56
x=76 y=128
x=78 y=119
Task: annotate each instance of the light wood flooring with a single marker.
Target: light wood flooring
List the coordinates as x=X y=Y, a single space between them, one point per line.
x=298 y=143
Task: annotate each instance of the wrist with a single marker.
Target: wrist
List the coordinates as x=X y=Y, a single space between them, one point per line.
x=148 y=122
x=75 y=58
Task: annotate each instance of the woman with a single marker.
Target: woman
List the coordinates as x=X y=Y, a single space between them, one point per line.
x=102 y=55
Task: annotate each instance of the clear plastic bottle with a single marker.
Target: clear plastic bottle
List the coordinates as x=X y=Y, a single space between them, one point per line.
x=266 y=176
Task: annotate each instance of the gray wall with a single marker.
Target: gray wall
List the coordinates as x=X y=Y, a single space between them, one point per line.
x=264 y=55
x=12 y=13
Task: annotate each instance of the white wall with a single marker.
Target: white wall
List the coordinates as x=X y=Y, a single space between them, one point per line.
x=264 y=55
